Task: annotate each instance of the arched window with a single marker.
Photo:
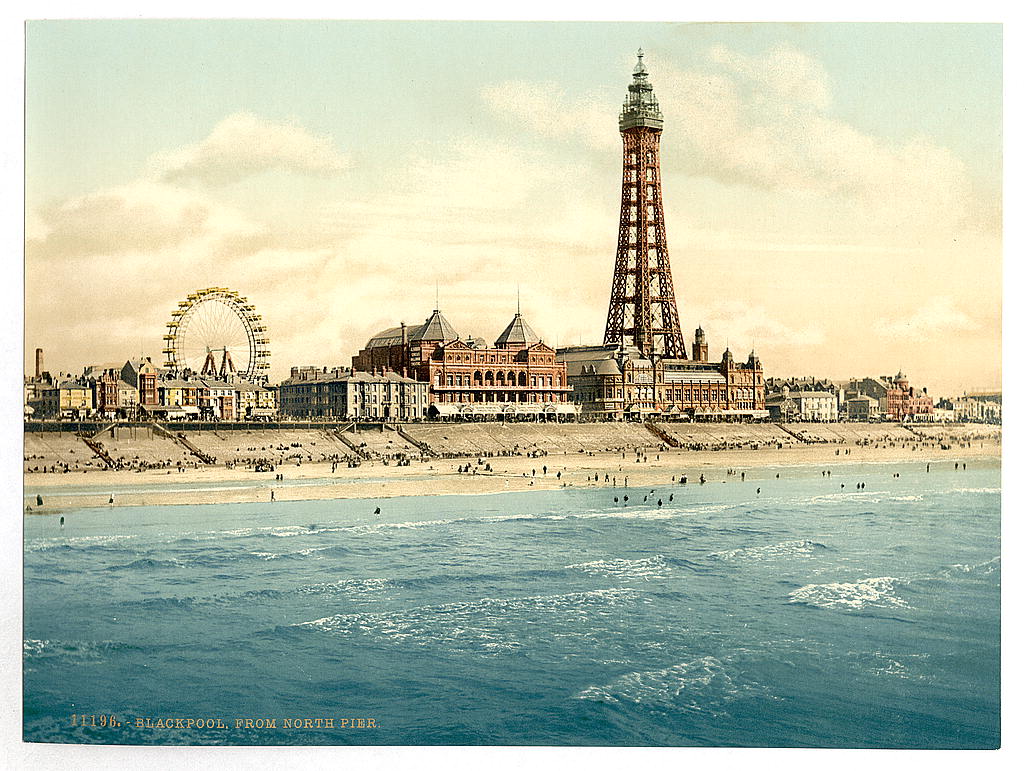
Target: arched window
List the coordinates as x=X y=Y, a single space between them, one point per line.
x=489 y=378
x=478 y=379
x=522 y=378
x=500 y=377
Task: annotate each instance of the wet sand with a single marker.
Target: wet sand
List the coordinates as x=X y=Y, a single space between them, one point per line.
x=374 y=480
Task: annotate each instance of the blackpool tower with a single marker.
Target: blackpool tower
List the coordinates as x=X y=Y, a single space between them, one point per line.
x=642 y=311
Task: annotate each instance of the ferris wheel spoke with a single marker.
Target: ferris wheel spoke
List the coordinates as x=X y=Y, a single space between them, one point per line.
x=217 y=324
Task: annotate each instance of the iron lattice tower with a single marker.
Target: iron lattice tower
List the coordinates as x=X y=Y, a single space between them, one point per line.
x=642 y=310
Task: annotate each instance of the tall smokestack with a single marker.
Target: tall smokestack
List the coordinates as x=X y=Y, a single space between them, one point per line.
x=39 y=363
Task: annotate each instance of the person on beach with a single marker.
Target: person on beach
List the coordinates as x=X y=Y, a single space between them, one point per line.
x=39 y=501
x=271 y=496
x=62 y=522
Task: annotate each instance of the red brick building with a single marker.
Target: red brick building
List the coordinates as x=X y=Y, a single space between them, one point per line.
x=518 y=369
x=906 y=402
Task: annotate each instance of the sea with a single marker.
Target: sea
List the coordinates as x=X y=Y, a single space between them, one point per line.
x=844 y=606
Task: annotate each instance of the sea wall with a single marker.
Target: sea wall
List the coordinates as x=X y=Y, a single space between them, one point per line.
x=143 y=446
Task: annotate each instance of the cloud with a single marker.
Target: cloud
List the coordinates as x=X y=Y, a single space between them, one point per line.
x=138 y=217
x=783 y=74
x=939 y=316
x=546 y=109
x=764 y=122
x=740 y=325
x=243 y=145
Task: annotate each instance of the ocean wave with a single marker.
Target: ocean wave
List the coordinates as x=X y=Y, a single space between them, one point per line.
x=770 y=551
x=148 y=563
x=643 y=569
x=77 y=650
x=700 y=685
x=977 y=490
x=485 y=626
x=877 y=592
x=987 y=567
x=353 y=588
x=76 y=542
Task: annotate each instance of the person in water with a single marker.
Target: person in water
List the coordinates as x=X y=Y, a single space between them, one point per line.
x=62 y=522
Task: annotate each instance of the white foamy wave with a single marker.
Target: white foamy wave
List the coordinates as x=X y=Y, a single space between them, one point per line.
x=908 y=498
x=861 y=496
x=770 y=551
x=701 y=685
x=43 y=544
x=977 y=490
x=482 y=626
x=79 y=650
x=985 y=568
x=360 y=589
x=644 y=569
x=868 y=593
x=266 y=555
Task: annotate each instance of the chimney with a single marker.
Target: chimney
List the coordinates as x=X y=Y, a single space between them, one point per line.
x=39 y=363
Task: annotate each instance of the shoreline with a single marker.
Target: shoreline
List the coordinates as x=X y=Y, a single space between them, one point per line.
x=437 y=476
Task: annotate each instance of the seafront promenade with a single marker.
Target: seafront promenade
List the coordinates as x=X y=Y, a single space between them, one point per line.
x=136 y=466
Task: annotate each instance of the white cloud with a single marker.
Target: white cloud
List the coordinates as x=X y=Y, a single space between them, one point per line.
x=939 y=316
x=763 y=121
x=784 y=74
x=138 y=217
x=742 y=326
x=546 y=109
x=244 y=144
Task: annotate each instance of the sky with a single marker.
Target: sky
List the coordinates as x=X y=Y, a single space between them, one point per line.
x=832 y=191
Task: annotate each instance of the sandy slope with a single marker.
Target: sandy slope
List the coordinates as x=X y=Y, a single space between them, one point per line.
x=373 y=479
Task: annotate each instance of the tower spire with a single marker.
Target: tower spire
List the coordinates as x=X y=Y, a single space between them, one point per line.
x=642 y=310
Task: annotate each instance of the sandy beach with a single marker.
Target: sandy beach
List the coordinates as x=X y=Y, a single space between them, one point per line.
x=375 y=479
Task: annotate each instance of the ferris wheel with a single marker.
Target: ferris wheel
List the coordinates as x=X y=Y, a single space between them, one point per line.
x=216 y=333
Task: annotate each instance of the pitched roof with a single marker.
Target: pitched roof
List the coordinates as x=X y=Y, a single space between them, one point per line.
x=434 y=328
x=518 y=332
